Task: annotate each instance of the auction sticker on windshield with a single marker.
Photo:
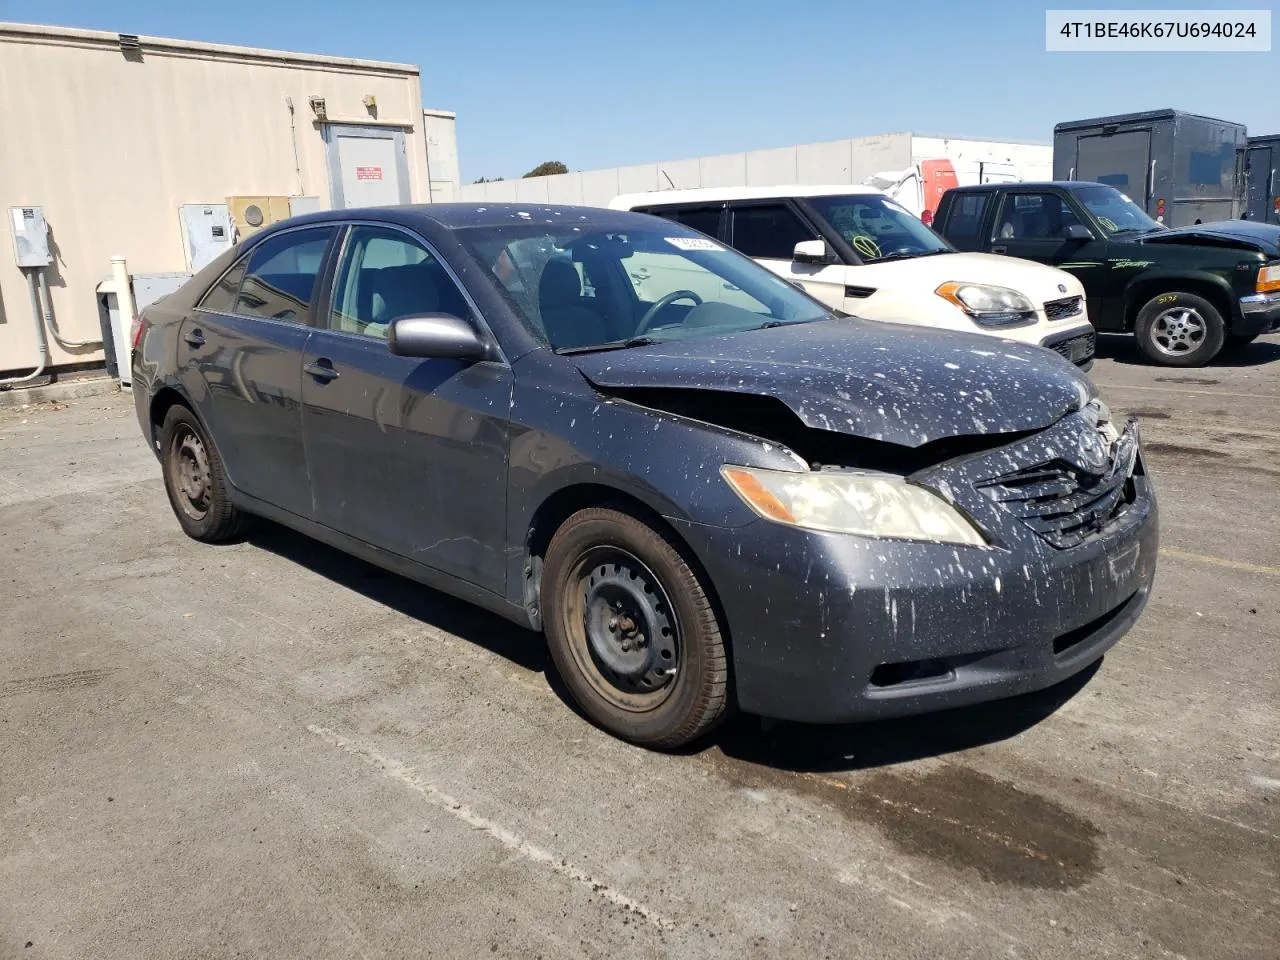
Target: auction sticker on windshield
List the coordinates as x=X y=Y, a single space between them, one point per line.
x=693 y=243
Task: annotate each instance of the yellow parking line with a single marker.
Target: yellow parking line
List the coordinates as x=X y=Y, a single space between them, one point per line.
x=1220 y=562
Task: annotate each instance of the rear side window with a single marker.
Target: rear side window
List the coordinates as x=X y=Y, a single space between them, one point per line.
x=280 y=278
x=221 y=297
x=768 y=231
x=703 y=219
x=965 y=217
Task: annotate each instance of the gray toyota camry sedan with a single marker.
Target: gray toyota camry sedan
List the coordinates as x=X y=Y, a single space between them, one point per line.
x=704 y=488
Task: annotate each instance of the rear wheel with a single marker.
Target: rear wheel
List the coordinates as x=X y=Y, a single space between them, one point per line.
x=196 y=482
x=632 y=630
x=1180 y=330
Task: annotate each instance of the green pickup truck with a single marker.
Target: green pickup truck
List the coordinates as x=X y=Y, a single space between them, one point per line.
x=1184 y=293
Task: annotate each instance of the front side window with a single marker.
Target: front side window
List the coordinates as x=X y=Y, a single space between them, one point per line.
x=877 y=228
x=1035 y=216
x=768 y=231
x=1116 y=213
x=280 y=278
x=386 y=274
x=653 y=283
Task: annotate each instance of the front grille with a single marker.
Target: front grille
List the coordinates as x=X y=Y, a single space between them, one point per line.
x=1077 y=349
x=1061 y=309
x=1062 y=503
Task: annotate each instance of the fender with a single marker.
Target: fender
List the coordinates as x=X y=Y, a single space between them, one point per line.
x=1142 y=287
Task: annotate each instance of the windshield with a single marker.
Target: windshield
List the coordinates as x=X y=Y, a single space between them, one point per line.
x=877 y=228
x=578 y=288
x=1115 y=212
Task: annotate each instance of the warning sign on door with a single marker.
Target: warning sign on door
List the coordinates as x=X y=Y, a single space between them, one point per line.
x=368 y=173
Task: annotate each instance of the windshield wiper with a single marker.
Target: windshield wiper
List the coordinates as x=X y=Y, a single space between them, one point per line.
x=641 y=341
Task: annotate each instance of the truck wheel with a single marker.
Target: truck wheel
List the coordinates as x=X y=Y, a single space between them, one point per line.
x=196 y=482
x=632 y=631
x=1180 y=330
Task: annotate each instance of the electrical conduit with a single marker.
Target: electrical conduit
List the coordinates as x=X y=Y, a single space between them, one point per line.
x=40 y=338
x=51 y=321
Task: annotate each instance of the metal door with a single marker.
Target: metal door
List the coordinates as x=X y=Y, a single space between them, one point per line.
x=1122 y=160
x=206 y=232
x=1262 y=184
x=367 y=166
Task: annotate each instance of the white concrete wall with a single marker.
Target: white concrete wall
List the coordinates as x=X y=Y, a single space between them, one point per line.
x=840 y=161
x=111 y=145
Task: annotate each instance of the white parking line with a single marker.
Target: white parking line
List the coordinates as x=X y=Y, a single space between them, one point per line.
x=393 y=768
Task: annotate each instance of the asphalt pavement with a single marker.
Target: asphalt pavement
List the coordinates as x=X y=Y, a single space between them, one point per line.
x=270 y=749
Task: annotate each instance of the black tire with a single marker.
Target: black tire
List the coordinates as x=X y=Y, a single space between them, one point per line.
x=1180 y=330
x=196 y=482
x=609 y=578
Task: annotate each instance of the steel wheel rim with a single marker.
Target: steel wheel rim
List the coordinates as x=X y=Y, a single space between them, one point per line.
x=192 y=477
x=1179 y=331
x=622 y=628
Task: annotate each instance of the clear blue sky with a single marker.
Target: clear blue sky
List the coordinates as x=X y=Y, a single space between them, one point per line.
x=599 y=83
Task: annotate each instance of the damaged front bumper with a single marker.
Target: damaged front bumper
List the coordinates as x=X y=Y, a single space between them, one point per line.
x=829 y=628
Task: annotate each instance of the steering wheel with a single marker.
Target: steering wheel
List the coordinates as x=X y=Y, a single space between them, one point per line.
x=903 y=249
x=668 y=299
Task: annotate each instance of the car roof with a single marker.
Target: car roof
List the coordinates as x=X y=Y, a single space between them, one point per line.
x=718 y=194
x=1024 y=184
x=456 y=216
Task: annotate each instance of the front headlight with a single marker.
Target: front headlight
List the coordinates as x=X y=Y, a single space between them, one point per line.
x=865 y=504
x=988 y=305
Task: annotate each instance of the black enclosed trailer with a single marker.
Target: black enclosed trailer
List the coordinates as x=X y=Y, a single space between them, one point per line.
x=1181 y=168
x=1262 y=165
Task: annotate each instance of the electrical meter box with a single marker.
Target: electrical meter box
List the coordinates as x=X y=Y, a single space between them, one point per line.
x=30 y=236
x=206 y=232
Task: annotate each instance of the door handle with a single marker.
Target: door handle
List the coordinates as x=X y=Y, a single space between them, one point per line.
x=1001 y=248
x=194 y=338
x=321 y=369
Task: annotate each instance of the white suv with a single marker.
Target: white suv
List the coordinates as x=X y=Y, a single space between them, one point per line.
x=858 y=251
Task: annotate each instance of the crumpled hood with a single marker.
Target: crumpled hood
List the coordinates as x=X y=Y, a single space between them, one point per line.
x=1249 y=233
x=901 y=384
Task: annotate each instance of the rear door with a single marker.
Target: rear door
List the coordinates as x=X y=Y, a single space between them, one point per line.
x=1264 y=193
x=962 y=220
x=1122 y=160
x=768 y=231
x=406 y=454
x=240 y=357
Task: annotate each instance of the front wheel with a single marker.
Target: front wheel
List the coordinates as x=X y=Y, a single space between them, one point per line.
x=1180 y=330
x=632 y=630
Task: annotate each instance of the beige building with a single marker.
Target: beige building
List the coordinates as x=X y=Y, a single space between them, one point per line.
x=162 y=151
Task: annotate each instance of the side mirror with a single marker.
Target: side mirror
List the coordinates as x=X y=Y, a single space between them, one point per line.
x=812 y=251
x=1078 y=231
x=439 y=336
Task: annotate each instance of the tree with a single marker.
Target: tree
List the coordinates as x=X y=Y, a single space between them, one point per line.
x=547 y=169
x=487 y=180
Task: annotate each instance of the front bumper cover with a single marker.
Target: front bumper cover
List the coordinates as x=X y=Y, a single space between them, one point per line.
x=828 y=628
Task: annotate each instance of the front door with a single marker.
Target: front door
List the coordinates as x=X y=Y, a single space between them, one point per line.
x=406 y=454
x=769 y=232
x=240 y=356
x=1032 y=224
x=367 y=166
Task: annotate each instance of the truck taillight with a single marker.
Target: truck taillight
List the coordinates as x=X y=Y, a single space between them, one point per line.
x=927 y=218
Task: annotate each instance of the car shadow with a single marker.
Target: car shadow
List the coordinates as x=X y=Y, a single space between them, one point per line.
x=809 y=748
x=791 y=747
x=521 y=647
x=1123 y=349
